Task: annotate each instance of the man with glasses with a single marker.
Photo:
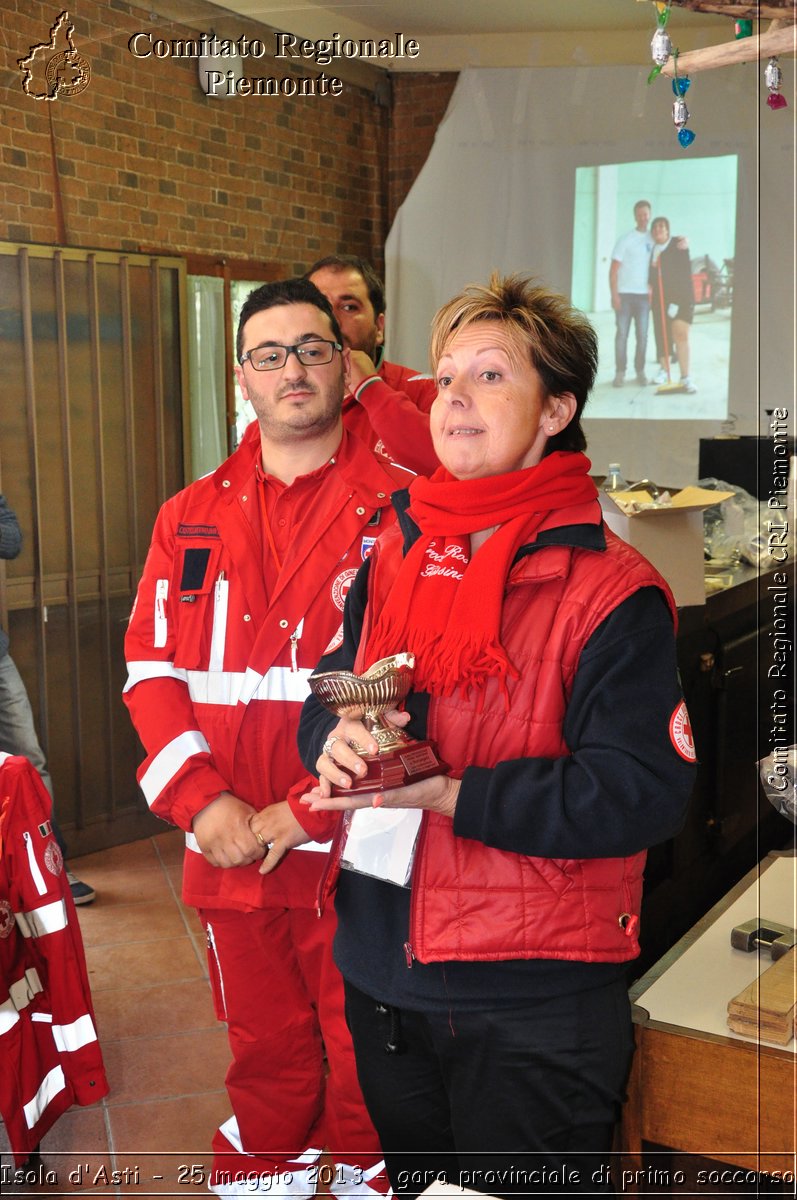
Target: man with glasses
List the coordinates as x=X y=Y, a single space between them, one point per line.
x=387 y=405
x=242 y=592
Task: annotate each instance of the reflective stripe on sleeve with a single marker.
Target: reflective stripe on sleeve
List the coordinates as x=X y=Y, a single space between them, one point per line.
x=77 y=1034
x=38 y=922
x=48 y=1089
x=168 y=762
x=137 y=672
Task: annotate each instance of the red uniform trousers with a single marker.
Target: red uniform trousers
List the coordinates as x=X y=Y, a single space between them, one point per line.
x=281 y=995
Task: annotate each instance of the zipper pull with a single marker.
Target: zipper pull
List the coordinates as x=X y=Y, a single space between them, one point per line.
x=408 y=955
x=297 y=633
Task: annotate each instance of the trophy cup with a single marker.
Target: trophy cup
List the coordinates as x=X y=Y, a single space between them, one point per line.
x=400 y=759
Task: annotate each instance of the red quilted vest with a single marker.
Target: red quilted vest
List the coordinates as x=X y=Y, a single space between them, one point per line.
x=470 y=901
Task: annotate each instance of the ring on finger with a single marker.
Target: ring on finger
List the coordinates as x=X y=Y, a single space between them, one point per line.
x=260 y=838
x=329 y=743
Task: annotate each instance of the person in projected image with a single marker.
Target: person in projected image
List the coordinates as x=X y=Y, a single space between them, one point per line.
x=628 y=280
x=487 y=999
x=672 y=302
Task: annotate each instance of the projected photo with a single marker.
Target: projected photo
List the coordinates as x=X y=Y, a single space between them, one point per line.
x=653 y=257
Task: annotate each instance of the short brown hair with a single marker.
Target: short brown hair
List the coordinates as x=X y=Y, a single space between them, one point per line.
x=561 y=344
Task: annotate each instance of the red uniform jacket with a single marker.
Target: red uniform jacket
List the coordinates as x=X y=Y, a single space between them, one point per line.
x=390 y=413
x=218 y=669
x=48 y=1043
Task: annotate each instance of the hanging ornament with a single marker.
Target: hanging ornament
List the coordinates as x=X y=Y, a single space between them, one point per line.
x=680 y=113
x=743 y=29
x=773 y=78
x=660 y=44
x=661 y=48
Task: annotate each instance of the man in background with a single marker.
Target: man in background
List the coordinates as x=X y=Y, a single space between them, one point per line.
x=17 y=730
x=630 y=285
x=387 y=405
x=242 y=592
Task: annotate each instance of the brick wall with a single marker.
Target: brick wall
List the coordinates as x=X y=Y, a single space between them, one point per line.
x=419 y=105
x=144 y=159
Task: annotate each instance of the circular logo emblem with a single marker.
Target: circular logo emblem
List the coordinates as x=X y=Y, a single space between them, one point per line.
x=53 y=858
x=681 y=733
x=68 y=73
x=6 y=919
x=340 y=587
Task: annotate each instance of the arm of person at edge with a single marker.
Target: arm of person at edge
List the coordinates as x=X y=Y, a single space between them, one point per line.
x=401 y=421
x=10 y=532
x=622 y=788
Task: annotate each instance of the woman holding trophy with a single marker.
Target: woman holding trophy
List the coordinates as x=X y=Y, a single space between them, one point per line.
x=486 y=973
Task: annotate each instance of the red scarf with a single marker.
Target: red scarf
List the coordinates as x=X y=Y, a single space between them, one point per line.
x=445 y=607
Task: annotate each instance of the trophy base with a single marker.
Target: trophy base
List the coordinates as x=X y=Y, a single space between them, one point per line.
x=396 y=768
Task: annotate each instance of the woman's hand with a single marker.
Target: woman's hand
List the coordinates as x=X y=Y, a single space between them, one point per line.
x=338 y=752
x=439 y=794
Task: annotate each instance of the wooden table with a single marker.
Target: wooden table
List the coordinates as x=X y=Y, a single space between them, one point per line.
x=696 y=1087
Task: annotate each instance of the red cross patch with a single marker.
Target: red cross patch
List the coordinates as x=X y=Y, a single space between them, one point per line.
x=681 y=734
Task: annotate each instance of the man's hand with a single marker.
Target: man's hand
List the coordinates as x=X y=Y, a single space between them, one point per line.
x=277 y=831
x=223 y=832
x=360 y=367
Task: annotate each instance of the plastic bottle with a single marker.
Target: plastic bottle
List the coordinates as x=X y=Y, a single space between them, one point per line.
x=614 y=481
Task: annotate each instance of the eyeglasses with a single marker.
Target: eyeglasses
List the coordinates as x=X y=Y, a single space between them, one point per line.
x=315 y=353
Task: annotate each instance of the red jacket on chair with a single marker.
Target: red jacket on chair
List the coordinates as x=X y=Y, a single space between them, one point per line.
x=48 y=1041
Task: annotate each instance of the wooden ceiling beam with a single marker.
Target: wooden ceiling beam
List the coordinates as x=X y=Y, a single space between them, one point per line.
x=770 y=10
x=778 y=39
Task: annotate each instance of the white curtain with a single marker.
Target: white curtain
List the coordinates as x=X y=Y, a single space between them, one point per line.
x=206 y=359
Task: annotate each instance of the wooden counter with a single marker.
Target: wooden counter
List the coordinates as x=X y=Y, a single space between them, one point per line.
x=696 y=1087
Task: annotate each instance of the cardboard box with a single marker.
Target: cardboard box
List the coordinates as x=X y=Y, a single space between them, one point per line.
x=670 y=537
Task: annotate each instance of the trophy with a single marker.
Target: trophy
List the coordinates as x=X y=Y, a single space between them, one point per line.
x=400 y=759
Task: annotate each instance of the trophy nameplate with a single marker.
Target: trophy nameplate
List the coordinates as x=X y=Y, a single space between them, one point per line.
x=401 y=759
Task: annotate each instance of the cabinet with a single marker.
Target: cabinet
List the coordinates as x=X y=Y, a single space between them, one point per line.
x=726 y=651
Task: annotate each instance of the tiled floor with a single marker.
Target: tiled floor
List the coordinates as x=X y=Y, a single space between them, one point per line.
x=165 y=1053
